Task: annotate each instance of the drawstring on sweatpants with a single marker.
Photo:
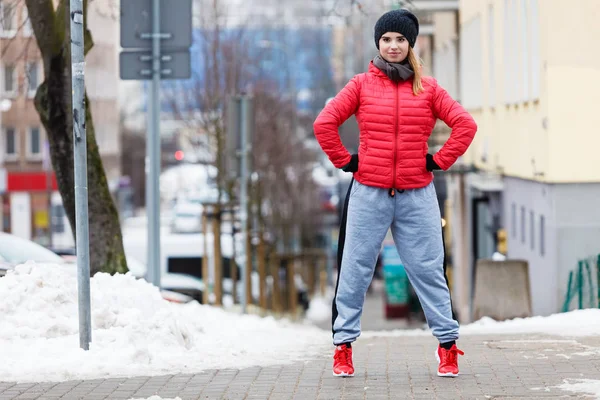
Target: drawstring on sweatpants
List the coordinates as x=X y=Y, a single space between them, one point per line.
x=392 y=191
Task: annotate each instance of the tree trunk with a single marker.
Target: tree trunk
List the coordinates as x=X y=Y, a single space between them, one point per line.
x=53 y=103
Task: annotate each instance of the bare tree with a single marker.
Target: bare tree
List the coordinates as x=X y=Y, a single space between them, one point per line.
x=53 y=102
x=7 y=19
x=284 y=188
x=133 y=155
x=284 y=193
x=201 y=103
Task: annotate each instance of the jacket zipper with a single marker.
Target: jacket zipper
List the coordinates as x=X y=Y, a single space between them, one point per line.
x=393 y=190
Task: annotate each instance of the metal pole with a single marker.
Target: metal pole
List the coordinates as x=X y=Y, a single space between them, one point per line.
x=153 y=156
x=80 y=166
x=233 y=268
x=244 y=196
x=205 y=279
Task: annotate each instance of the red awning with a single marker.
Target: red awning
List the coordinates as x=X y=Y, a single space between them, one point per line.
x=29 y=182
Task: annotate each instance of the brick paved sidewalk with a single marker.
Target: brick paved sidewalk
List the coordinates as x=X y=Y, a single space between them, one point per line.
x=498 y=367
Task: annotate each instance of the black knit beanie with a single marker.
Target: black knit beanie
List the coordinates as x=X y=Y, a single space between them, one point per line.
x=401 y=21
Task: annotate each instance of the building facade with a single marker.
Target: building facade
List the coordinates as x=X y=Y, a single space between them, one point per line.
x=30 y=200
x=530 y=77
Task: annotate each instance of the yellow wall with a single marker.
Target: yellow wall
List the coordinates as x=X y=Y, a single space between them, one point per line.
x=554 y=138
x=574 y=91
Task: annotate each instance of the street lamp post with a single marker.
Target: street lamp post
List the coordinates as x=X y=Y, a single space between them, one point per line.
x=5 y=105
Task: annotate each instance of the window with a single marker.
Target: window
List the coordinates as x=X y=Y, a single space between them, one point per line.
x=525 y=51
x=10 y=80
x=11 y=145
x=34 y=148
x=491 y=58
x=523 y=225
x=542 y=236
x=508 y=78
x=534 y=41
x=8 y=24
x=33 y=77
x=27 y=30
x=58 y=218
x=514 y=220
x=471 y=64
x=532 y=230
x=445 y=67
x=512 y=40
x=514 y=53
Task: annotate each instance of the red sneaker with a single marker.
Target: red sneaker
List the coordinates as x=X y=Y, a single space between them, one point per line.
x=342 y=361
x=448 y=360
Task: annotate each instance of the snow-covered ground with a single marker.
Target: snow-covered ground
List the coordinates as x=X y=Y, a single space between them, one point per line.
x=588 y=386
x=136 y=332
x=155 y=398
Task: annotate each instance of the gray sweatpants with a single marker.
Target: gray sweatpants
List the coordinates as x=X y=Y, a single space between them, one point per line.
x=414 y=218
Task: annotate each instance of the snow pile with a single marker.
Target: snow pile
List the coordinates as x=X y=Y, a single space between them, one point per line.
x=574 y=323
x=135 y=332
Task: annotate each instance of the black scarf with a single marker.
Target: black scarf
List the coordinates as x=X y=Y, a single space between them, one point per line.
x=396 y=72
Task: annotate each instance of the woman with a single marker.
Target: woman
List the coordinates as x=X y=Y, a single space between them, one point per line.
x=396 y=109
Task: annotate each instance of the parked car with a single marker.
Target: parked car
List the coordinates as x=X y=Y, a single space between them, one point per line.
x=15 y=250
x=207 y=195
x=179 y=288
x=68 y=254
x=176 y=297
x=187 y=218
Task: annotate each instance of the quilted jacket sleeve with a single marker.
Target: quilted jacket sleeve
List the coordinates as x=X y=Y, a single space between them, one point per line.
x=335 y=113
x=459 y=120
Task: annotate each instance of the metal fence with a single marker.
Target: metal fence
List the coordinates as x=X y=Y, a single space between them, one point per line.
x=583 y=289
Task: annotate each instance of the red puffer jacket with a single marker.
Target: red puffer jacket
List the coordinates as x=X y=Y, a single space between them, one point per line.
x=394 y=127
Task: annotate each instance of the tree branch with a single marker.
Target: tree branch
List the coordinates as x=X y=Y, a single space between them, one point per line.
x=44 y=24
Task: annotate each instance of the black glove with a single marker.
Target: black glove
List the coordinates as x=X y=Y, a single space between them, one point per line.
x=430 y=164
x=352 y=166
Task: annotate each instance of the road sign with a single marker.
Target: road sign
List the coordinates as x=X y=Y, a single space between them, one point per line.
x=137 y=65
x=175 y=24
x=163 y=30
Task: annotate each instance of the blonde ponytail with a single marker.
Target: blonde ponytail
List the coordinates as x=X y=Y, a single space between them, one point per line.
x=416 y=67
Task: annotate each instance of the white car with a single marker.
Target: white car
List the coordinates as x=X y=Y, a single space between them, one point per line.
x=15 y=250
x=180 y=288
x=206 y=195
x=187 y=218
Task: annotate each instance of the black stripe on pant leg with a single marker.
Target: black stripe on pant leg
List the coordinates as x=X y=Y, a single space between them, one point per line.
x=446 y=276
x=340 y=252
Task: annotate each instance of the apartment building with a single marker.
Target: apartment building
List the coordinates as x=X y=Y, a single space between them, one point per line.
x=530 y=75
x=29 y=184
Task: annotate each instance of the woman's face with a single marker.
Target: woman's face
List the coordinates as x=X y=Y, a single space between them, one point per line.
x=393 y=47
